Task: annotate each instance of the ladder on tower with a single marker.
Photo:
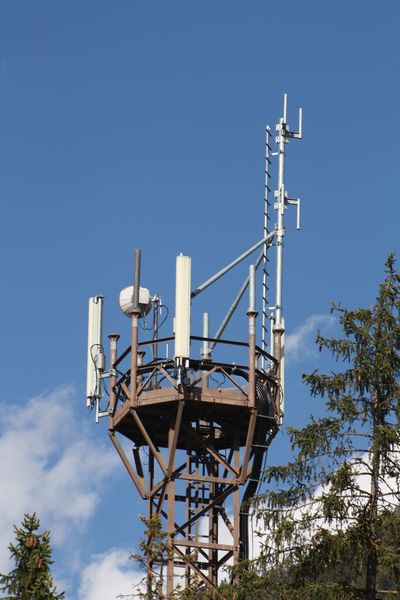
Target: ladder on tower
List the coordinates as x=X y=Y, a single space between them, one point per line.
x=267 y=205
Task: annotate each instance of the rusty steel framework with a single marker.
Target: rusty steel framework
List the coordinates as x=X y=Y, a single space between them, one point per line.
x=198 y=429
x=202 y=441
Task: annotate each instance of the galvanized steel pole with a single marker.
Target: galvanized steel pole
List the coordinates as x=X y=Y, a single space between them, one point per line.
x=232 y=264
x=113 y=337
x=280 y=228
x=234 y=305
x=205 y=350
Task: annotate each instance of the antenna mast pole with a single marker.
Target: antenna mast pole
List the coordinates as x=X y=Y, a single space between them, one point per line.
x=284 y=134
x=280 y=206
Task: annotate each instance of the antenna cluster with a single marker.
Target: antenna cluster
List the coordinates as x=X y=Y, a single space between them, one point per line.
x=206 y=422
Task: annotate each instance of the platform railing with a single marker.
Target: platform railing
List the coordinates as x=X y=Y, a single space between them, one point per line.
x=164 y=369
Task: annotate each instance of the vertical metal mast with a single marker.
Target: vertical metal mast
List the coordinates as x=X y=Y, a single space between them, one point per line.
x=280 y=206
x=284 y=134
x=282 y=138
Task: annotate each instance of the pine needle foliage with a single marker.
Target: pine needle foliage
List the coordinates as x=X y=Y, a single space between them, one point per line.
x=154 y=551
x=330 y=517
x=31 y=578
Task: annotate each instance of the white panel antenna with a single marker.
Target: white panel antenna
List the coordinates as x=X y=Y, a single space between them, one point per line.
x=182 y=306
x=95 y=354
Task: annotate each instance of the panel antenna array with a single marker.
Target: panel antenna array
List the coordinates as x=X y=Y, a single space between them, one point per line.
x=204 y=422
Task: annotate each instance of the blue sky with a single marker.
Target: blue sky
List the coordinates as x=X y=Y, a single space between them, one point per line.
x=130 y=124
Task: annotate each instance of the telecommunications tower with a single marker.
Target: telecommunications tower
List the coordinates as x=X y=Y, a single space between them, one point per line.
x=199 y=425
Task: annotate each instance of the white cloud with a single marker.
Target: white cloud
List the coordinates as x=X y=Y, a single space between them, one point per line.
x=110 y=575
x=301 y=342
x=49 y=463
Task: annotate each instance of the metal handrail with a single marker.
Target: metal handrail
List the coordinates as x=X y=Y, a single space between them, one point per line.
x=197 y=338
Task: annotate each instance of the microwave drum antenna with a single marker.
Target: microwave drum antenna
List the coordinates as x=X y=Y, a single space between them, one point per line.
x=126 y=301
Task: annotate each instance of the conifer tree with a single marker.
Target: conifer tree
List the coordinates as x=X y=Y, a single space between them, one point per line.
x=154 y=550
x=31 y=578
x=331 y=516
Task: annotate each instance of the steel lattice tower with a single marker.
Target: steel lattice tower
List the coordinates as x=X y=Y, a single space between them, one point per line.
x=198 y=428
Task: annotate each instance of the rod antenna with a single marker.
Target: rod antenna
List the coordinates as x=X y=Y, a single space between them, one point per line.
x=282 y=202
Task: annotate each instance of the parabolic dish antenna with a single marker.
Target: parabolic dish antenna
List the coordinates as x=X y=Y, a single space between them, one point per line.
x=126 y=301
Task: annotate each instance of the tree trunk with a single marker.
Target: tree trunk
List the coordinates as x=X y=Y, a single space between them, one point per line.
x=371 y=555
x=372 y=568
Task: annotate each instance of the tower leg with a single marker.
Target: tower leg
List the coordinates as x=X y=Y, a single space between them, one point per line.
x=236 y=503
x=213 y=516
x=171 y=516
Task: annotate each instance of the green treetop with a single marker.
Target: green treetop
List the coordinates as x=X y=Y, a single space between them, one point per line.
x=331 y=515
x=31 y=578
